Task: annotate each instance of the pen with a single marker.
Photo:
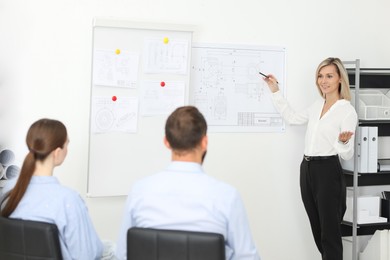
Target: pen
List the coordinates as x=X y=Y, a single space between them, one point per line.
x=266 y=76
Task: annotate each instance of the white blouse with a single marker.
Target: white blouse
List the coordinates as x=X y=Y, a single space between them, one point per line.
x=322 y=132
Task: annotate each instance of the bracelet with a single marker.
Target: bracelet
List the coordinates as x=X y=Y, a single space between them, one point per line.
x=341 y=142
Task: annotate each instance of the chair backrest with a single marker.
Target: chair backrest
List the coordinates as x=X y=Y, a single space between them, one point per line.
x=28 y=240
x=158 y=244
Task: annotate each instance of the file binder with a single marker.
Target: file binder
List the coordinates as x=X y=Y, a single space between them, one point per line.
x=372 y=165
x=362 y=152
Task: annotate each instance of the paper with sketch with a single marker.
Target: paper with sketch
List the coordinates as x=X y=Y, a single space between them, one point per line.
x=120 y=115
x=171 y=57
x=227 y=88
x=115 y=70
x=161 y=100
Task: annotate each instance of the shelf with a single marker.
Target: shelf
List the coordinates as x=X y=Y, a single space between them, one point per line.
x=367 y=179
x=383 y=126
x=362 y=229
x=371 y=77
x=366 y=78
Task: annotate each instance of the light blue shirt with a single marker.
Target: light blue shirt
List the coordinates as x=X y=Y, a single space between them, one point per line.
x=48 y=201
x=183 y=197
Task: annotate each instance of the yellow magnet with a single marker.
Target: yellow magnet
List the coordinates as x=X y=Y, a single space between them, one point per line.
x=166 y=40
x=118 y=51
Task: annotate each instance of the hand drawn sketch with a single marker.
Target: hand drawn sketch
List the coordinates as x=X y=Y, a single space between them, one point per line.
x=161 y=100
x=160 y=57
x=115 y=69
x=114 y=116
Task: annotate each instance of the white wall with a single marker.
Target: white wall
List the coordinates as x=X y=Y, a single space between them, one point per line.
x=45 y=67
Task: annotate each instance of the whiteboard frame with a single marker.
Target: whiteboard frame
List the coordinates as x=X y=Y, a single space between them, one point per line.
x=112 y=23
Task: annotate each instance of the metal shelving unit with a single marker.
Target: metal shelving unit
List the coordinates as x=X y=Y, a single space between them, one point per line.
x=356 y=83
x=365 y=78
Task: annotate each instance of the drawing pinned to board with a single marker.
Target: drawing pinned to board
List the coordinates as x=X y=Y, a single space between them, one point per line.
x=161 y=57
x=227 y=88
x=119 y=115
x=161 y=97
x=115 y=68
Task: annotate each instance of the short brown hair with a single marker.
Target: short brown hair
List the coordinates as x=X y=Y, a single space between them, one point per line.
x=185 y=128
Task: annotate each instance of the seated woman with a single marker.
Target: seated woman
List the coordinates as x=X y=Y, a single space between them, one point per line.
x=37 y=194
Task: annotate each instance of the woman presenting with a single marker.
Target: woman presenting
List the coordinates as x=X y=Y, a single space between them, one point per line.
x=331 y=122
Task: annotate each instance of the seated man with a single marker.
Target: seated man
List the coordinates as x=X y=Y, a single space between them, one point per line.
x=183 y=197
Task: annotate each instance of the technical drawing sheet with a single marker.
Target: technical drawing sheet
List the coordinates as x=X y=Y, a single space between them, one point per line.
x=114 y=115
x=227 y=88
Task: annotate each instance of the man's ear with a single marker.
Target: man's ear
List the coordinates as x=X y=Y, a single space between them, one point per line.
x=204 y=142
x=166 y=143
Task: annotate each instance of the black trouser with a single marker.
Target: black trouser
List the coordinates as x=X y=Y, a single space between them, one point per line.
x=323 y=194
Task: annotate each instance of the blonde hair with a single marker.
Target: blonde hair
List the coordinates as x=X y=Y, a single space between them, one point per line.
x=344 y=90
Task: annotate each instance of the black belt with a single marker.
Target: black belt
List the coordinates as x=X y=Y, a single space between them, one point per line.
x=317 y=158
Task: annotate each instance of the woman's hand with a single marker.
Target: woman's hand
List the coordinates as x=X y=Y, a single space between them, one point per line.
x=345 y=136
x=272 y=83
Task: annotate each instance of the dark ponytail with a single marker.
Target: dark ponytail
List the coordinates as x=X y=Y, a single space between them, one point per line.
x=43 y=137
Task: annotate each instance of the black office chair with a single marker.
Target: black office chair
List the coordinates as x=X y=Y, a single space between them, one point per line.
x=28 y=240
x=158 y=244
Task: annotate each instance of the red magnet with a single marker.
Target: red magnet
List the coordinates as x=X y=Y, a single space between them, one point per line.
x=162 y=84
x=113 y=98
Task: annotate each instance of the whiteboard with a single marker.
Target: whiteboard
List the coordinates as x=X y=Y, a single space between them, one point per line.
x=227 y=88
x=126 y=136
